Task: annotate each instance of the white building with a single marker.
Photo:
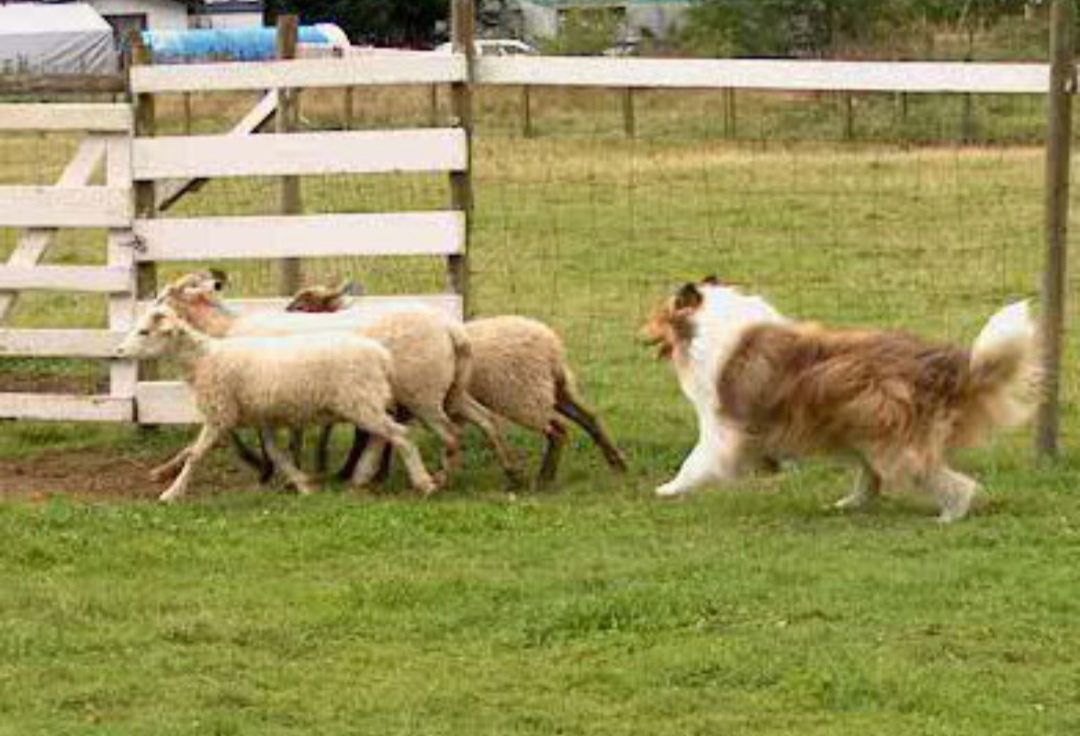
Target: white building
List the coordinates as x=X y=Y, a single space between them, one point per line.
x=228 y=14
x=160 y=15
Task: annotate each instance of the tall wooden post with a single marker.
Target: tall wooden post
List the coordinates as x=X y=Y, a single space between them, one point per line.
x=146 y=282
x=286 y=121
x=463 y=23
x=526 y=112
x=847 y=107
x=629 y=120
x=1058 y=157
x=730 y=129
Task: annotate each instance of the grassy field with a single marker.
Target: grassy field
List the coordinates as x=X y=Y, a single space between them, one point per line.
x=595 y=609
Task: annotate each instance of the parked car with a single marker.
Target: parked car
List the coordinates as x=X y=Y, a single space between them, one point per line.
x=494 y=47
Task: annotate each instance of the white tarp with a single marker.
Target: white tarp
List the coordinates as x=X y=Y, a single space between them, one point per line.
x=64 y=38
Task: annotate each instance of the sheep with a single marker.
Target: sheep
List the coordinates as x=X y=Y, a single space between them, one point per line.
x=519 y=372
x=431 y=353
x=270 y=382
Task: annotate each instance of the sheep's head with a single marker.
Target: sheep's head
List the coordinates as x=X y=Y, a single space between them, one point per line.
x=155 y=334
x=324 y=298
x=196 y=297
x=669 y=326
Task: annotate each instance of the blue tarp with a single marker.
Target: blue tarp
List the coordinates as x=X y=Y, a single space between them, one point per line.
x=239 y=44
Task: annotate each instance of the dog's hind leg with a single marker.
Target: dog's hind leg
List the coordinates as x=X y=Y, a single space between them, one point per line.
x=867 y=488
x=954 y=490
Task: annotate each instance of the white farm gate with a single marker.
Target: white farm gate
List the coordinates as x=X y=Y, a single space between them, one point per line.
x=164 y=167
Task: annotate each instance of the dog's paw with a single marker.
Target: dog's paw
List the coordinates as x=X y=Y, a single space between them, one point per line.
x=670 y=490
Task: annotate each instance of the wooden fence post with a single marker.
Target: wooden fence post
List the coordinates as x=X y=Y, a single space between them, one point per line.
x=526 y=111
x=186 y=109
x=347 y=108
x=1058 y=158
x=629 y=121
x=286 y=121
x=730 y=129
x=145 y=191
x=463 y=23
x=847 y=106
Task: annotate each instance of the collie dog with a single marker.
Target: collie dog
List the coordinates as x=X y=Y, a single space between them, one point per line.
x=766 y=387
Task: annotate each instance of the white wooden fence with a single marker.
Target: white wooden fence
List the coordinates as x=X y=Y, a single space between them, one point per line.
x=173 y=163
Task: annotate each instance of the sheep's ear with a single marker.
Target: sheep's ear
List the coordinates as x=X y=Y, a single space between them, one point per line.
x=167 y=293
x=711 y=280
x=688 y=297
x=350 y=288
x=220 y=277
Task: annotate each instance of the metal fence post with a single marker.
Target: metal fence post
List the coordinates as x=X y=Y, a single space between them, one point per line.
x=1058 y=157
x=463 y=22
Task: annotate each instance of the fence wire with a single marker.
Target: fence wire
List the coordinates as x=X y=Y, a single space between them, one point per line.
x=920 y=212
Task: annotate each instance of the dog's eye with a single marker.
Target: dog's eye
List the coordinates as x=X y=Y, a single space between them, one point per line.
x=144 y=333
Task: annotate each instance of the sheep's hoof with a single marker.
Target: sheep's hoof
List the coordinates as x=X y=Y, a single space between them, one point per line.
x=306 y=488
x=169 y=496
x=516 y=479
x=427 y=487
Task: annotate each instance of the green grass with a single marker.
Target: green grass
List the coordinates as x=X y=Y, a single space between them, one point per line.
x=597 y=609
x=594 y=611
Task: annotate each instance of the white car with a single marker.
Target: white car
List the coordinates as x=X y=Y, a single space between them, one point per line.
x=494 y=47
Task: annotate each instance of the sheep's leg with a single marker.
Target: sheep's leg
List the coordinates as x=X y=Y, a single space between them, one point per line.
x=370 y=459
x=283 y=462
x=556 y=435
x=470 y=410
x=170 y=467
x=398 y=436
x=256 y=460
x=207 y=437
x=322 y=450
x=435 y=419
x=570 y=408
x=296 y=444
x=360 y=440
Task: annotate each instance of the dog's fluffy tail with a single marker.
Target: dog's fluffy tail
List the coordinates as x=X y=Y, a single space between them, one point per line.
x=1005 y=376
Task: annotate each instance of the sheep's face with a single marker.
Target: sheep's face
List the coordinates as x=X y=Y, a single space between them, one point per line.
x=154 y=335
x=323 y=298
x=195 y=296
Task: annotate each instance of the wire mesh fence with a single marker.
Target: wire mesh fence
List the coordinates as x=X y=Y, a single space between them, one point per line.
x=921 y=212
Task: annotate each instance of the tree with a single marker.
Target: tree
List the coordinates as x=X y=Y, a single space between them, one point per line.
x=383 y=22
x=802 y=27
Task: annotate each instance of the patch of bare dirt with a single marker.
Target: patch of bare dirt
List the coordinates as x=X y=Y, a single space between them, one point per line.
x=103 y=474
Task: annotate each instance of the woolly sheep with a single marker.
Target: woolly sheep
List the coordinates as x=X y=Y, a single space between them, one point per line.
x=520 y=372
x=431 y=353
x=267 y=382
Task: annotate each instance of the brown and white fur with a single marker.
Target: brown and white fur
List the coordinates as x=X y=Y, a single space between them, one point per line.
x=765 y=386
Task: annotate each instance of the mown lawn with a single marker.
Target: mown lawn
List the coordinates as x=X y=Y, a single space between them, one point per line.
x=595 y=609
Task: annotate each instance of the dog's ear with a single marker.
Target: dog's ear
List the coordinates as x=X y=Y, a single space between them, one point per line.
x=688 y=297
x=711 y=280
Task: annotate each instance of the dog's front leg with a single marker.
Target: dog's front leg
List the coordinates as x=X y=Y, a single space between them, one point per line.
x=710 y=460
